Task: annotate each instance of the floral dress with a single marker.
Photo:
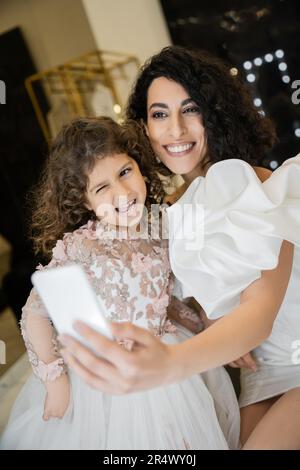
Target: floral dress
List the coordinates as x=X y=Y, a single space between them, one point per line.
x=133 y=277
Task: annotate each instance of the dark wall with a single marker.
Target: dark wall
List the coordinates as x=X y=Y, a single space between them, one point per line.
x=22 y=153
x=239 y=31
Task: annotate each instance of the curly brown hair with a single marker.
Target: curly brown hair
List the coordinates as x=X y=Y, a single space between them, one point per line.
x=234 y=128
x=60 y=197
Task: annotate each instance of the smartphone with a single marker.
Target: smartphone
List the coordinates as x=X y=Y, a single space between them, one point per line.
x=68 y=296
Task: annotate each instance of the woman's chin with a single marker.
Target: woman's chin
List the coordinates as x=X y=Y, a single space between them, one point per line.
x=183 y=169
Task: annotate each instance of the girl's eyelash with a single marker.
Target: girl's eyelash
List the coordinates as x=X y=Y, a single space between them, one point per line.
x=123 y=171
x=99 y=189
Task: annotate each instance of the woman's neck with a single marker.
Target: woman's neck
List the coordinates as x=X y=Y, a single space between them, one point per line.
x=198 y=171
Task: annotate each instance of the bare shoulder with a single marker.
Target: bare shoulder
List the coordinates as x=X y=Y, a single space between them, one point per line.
x=262 y=173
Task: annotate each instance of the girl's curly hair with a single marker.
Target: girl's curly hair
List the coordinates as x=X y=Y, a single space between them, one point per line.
x=234 y=128
x=60 y=197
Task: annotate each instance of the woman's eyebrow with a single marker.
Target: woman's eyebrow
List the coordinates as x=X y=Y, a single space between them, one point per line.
x=165 y=106
x=159 y=105
x=187 y=101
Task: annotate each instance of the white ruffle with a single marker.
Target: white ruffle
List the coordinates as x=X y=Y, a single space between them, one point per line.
x=243 y=223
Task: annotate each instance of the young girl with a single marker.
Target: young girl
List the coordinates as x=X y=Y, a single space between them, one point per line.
x=91 y=201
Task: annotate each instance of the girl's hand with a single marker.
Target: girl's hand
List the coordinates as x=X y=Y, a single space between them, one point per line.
x=246 y=361
x=57 y=398
x=112 y=369
x=185 y=315
x=205 y=321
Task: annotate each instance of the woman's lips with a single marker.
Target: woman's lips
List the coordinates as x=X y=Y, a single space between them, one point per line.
x=178 y=150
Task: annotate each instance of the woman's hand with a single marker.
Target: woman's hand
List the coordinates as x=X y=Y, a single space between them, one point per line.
x=57 y=398
x=113 y=369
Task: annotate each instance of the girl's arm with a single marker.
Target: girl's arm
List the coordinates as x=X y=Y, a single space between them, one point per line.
x=48 y=365
x=152 y=363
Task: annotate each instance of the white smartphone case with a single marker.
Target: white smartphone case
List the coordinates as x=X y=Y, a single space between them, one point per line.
x=68 y=296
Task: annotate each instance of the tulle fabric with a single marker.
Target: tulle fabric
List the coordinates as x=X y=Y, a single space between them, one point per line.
x=199 y=413
x=133 y=277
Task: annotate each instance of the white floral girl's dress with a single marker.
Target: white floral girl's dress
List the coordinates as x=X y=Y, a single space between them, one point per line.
x=133 y=277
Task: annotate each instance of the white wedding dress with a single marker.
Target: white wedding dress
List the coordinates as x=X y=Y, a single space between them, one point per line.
x=225 y=230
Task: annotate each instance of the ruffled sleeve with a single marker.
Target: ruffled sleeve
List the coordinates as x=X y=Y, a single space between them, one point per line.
x=228 y=227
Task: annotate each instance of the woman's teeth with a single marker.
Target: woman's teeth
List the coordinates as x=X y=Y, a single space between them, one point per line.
x=179 y=148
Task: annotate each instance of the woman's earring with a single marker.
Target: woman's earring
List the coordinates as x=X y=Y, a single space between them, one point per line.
x=157 y=159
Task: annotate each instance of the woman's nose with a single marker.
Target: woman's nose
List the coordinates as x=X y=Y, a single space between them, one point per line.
x=177 y=127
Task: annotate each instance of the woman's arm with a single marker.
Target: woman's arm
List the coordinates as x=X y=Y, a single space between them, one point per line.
x=152 y=363
x=248 y=325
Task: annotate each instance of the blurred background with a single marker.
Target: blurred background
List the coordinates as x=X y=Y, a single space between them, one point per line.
x=63 y=58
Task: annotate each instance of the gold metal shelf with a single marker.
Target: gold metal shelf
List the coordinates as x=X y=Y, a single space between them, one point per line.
x=76 y=78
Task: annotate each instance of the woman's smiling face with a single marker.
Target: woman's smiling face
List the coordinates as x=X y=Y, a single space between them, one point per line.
x=174 y=127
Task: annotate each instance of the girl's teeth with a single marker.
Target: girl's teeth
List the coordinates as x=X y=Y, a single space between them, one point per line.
x=179 y=148
x=126 y=208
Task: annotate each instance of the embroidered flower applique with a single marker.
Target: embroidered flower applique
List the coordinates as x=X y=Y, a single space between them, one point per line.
x=141 y=263
x=160 y=305
x=49 y=372
x=169 y=327
x=59 y=251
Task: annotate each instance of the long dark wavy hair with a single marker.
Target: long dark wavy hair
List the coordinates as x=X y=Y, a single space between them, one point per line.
x=234 y=128
x=60 y=197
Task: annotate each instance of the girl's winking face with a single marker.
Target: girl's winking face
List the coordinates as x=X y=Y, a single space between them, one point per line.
x=116 y=191
x=174 y=127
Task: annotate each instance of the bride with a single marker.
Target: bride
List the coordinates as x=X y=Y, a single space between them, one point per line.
x=201 y=124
